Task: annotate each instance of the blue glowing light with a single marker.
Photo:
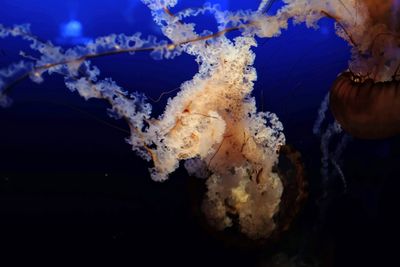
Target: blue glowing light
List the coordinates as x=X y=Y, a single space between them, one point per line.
x=73 y=28
x=71 y=33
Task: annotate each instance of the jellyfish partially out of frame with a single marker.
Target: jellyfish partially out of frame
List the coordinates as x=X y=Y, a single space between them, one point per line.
x=365 y=99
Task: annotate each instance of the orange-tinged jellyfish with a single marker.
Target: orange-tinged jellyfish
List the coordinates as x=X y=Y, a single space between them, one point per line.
x=366 y=100
x=366 y=109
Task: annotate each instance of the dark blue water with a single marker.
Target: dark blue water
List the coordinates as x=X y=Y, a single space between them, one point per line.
x=71 y=186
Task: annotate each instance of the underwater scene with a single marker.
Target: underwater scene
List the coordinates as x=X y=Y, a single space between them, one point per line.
x=200 y=132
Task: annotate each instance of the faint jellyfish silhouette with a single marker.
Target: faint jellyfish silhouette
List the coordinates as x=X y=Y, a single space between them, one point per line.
x=71 y=33
x=72 y=28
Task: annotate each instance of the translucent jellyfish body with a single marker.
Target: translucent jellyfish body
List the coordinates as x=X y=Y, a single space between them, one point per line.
x=212 y=124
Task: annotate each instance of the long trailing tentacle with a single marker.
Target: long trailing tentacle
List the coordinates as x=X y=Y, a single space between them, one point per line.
x=117 y=51
x=265 y=6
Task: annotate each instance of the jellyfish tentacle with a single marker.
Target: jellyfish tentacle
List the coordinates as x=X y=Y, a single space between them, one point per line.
x=83 y=58
x=347 y=10
x=396 y=73
x=337 y=20
x=380 y=34
x=265 y=6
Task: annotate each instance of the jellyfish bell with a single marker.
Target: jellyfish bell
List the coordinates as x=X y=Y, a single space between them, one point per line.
x=366 y=109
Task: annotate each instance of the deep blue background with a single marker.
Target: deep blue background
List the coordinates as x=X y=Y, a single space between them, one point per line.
x=70 y=185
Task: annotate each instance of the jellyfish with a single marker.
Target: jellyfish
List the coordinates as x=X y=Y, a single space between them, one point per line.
x=365 y=99
x=212 y=124
x=71 y=32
